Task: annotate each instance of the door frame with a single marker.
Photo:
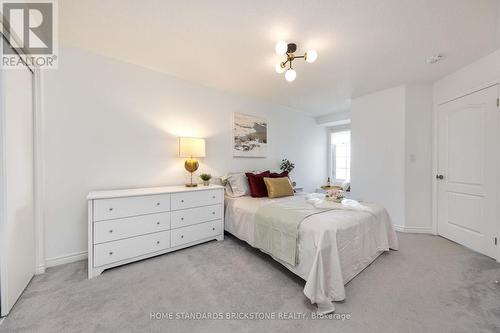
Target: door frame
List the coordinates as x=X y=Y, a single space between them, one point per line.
x=435 y=152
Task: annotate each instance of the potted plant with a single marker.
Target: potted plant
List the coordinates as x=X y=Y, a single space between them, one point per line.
x=287 y=166
x=206 y=178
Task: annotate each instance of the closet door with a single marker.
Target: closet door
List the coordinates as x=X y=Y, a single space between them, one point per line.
x=17 y=235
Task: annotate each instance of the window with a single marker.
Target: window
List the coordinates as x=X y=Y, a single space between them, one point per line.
x=341 y=155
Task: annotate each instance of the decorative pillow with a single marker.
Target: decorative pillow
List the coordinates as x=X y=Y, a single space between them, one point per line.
x=256 y=183
x=278 y=175
x=237 y=185
x=278 y=187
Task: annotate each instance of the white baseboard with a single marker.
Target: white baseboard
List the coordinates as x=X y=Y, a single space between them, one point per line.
x=40 y=269
x=413 y=230
x=66 y=259
x=398 y=228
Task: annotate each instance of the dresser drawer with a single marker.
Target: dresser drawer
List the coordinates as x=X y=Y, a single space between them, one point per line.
x=107 y=209
x=196 y=199
x=195 y=232
x=185 y=217
x=106 y=231
x=107 y=253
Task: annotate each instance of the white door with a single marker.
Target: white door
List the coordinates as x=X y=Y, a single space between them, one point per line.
x=468 y=166
x=17 y=240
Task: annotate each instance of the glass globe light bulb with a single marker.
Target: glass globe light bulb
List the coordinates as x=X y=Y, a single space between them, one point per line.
x=290 y=75
x=311 y=56
x=281 y=47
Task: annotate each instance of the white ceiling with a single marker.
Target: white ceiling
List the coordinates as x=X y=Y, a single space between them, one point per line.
x=363 y=46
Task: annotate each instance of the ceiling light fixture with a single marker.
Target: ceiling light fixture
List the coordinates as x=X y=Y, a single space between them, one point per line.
x=288 y=49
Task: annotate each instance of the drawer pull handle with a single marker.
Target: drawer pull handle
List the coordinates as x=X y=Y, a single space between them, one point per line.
x=213 y=196
x=157 y=242
x=111 y=231
x=182 y=200
x=111 y=208
x=182 y=219
x=213 y=213
x=158 y=223
x=157 y=203
x=111 y=253
x=182 y=236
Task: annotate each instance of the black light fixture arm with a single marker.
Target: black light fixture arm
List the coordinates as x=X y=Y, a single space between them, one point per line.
x=291 y=57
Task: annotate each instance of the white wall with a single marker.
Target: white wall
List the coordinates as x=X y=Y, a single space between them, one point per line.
x=378 y=150
x=334 y=119
x=391 y=138
x=110 y=124
x=418 y=179
x=483 y=71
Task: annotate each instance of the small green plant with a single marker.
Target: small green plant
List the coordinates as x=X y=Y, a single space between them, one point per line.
x=205 y=177
x=286 y=165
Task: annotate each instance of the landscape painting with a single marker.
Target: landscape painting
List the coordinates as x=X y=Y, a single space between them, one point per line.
x=249 y=135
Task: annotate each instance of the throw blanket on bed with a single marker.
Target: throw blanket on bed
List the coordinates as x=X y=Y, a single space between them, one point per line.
x=277 y=227
x=319 y=201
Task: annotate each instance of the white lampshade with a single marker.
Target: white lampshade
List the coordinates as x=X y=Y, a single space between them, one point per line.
x=191 y=147
x=290 y=75
x=281 y=48
x=279 y=69
x=311 y=56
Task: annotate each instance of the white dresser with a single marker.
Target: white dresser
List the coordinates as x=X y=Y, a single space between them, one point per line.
x=130 y=225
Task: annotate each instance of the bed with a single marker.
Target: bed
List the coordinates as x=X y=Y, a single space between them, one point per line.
x=333 y=246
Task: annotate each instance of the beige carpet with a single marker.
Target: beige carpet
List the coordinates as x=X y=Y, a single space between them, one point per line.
x=430 y=285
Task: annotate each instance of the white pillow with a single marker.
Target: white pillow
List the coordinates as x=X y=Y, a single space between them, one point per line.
x=237 y=185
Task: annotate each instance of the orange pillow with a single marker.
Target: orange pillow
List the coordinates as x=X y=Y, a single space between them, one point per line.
x=278 y=187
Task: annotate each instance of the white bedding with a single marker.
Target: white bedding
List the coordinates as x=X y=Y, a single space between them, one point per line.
x=333 y=246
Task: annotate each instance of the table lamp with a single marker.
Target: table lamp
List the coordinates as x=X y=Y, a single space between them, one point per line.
x=191 y=148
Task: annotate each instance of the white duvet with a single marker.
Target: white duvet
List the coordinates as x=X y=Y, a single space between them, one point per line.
x=333 y=246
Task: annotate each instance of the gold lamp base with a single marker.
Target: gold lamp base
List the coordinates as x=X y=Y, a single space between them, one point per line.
x=191 y=165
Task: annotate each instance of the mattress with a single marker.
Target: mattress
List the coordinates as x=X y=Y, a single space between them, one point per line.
x=333 y=246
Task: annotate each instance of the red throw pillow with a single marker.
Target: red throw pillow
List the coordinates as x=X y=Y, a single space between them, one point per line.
x=256 y=183
x=278 y=175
